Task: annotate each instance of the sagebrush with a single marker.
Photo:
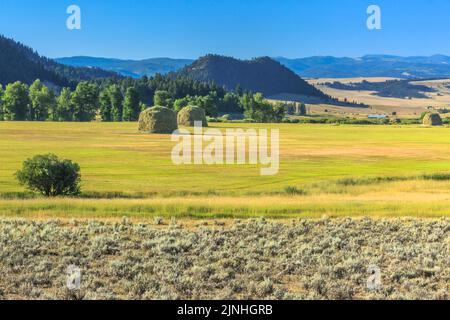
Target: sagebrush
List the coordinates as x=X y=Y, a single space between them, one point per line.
x=255 y=259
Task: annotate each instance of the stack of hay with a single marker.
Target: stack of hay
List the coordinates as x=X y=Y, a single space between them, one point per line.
x=158 y=120
x=190 y=114
x=432 y=119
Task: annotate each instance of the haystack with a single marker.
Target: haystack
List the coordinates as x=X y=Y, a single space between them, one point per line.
x=432 y=119
x=190 y=114
x=158 y=120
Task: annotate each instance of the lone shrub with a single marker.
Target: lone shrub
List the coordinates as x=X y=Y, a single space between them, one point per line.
x=190 y=114
x=294 y=191
x=50 y=176
x=432 y=119
x=158 y=120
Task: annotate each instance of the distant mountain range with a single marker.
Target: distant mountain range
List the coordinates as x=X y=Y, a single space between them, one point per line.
x=21 y=63
x=128 y=68
x=263 y=75
x=258 y=75
x=271 y=76
x=436 y=66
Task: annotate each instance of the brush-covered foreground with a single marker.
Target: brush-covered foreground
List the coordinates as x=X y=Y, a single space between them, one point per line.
x=255 y=259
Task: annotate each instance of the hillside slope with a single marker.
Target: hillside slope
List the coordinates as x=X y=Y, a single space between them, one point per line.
x=263 y=75
x=21 y=63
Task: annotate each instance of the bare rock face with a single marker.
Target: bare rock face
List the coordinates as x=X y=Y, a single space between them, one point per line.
x=158 y=120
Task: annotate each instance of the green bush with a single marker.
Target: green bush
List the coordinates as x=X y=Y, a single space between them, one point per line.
x=410 y=121
x=214 y=120
x=294 y=191
x=50 y=176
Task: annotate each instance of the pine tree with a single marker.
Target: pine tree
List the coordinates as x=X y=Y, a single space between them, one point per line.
x=131 y=105
x=105 y=105
x=302 y=110
x=116 y=98
x=85 y=101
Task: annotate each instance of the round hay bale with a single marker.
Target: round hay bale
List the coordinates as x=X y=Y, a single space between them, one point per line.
x=432 y=119
x=188 y=115
x=158 y=120
x=226 y=117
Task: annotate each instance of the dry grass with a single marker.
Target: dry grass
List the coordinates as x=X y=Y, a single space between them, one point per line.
x=403 y=107
x=371 y=201
x=350 y=80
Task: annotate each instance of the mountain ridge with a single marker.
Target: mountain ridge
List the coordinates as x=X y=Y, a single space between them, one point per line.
x=370 y=65
x=373 y=65
x=19 y=62
x=128 y=67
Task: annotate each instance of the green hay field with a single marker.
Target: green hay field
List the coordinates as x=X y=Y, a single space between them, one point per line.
x=331 y=170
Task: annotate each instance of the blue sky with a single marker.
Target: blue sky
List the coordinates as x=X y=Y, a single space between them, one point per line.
x=138 y=29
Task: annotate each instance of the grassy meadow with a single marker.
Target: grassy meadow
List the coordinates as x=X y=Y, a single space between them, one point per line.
x=337 y=171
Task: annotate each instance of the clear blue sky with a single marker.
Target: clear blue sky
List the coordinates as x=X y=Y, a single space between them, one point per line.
x=139 y=29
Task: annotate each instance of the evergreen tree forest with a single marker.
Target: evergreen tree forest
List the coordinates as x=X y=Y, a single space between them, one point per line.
x=122 y=99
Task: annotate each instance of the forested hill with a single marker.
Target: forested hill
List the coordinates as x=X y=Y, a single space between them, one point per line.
x=263 y=75
x=21 y=63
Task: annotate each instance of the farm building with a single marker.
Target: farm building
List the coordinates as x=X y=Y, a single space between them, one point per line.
x=377 y=116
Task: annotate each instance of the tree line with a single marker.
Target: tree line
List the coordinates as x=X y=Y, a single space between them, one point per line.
x=37 y=102
x=123 y=99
